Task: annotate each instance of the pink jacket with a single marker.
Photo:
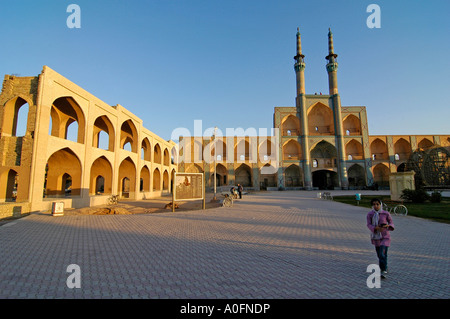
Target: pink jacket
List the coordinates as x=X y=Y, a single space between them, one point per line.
x=384 y=218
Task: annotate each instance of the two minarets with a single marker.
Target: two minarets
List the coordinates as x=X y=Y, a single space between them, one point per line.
x=334 y=103
x=332 y=65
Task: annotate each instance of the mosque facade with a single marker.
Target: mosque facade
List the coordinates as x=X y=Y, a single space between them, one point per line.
x=320 y=144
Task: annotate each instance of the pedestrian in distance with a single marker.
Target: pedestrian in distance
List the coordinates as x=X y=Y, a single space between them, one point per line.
x=240 y=189
x=233 y=192
x=380 y=223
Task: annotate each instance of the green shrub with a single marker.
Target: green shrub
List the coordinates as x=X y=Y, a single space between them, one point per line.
x=416 y=196
x=435 y=197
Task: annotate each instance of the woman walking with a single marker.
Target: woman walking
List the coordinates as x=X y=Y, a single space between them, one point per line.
x=380 y=223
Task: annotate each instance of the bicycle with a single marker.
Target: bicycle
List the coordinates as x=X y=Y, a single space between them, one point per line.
x=113 y=199
x=327 y=196
x=400 y=210
x=228 y=201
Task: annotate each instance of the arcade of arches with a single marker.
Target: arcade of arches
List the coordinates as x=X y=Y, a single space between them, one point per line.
x=65 y=143
x=51 y=149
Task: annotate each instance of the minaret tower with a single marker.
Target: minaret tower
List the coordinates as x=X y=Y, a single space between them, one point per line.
x=300 y=66
x=332 y=65
x=300 y=102
x=335 y=102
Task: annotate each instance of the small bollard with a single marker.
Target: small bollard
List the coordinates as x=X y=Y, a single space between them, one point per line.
x=358 y=198
x=58 y=209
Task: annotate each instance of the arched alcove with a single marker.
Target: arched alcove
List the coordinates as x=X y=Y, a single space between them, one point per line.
x=352 y=125
x=292 y=150
x=128 y=134
x=354 y=149
x=156 y=180
x=356 y=176
x=325 y=155
x=15 y=117
x=144 y=179
x=60 y=166
x=64 y=112
x=103 y=135
x=127 y=178
x=379 y=150
x=101 y=167
x=8 y=186
x=293 y=176
x=290 y=126
x=320 y=120
x=243 y=175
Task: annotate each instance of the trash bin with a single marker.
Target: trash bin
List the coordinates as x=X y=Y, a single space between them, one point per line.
x=57 y=208
x=358 y=198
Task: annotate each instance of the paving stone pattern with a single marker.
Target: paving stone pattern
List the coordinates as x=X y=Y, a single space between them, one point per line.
x=268 y=245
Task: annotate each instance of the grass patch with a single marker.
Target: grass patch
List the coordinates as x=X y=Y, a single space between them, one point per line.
x=436 y=211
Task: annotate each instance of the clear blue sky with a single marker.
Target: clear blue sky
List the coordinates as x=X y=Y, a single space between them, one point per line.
x=229 y=63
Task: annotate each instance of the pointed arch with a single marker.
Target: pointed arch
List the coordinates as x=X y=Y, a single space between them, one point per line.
x=102 y=124
x=8 y=185
x=157 y=157
x=166 y=157
x=15 y=116
x=379 y=150
x=352 y=125
x=320 y=120
x=127 y=178
x=221 y=175
x=65 y=111
x=221 y=147
x=354 y=150
x=267 y=149
x=356 y=176
x=381 y=175
x=242 y=151
x=156 y=180
x=129 y=134
x=402 y=150
x=101 y=167
x=197 y=152
x=324 y=154
x=290 y=125
x=146 y=150
x=425 y=144
x=193 y=168
x=293 y=176
x=268 y=174
x=243 y=175
x=144 y=181
x=61 y=165
x=292 y=150
x=165 y=180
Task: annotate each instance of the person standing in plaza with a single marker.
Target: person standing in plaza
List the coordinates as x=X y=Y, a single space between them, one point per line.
x=380 y=223
x=240 y=189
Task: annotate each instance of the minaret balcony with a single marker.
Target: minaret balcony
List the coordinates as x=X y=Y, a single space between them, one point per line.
x=332 y=67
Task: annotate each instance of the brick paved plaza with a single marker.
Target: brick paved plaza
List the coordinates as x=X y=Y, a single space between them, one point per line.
x=268 y=245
